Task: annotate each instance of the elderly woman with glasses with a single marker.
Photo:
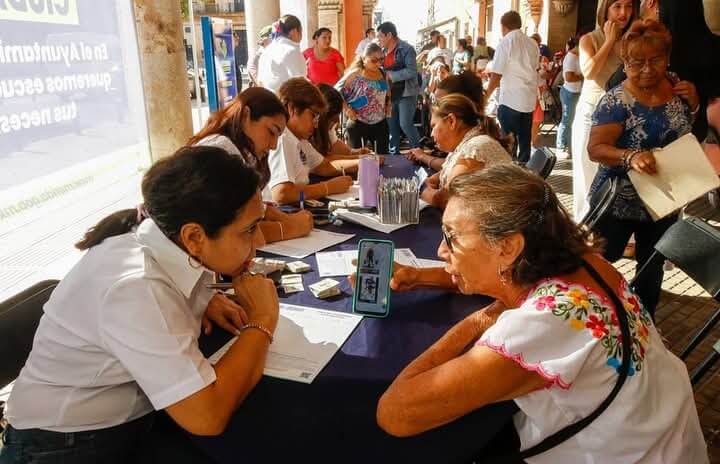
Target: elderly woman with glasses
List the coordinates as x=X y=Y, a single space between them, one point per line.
x=295 y=158
x=552 y=340
x=651 y=109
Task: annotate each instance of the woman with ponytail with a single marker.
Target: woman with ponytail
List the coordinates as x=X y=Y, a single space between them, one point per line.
x=119 y=336
x=282 y=59
x=472 y=141
x=249 y=127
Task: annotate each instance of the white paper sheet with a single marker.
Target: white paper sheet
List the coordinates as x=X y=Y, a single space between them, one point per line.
x=339 y=263
x=306 y=339
x=352 y=194
x=684 y=174
x=371 y=220
x=303 y=247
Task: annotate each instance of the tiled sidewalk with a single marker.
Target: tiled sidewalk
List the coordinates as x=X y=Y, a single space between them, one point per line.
x=684 y=307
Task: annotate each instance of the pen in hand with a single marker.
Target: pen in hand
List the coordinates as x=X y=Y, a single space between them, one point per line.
x=302 y=199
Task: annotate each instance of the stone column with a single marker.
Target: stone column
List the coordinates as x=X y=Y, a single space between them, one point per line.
x=258 y=14
x=329 y=14
x=167 y=99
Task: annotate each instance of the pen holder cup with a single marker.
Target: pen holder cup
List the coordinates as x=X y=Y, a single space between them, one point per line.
x=368 y=176
x=398 y=201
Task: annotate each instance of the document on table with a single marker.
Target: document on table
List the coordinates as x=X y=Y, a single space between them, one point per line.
x=303 y=247
x=684 y=174
x=352 y=194
x=339 y=263
x=371 y=220
x=306 y=339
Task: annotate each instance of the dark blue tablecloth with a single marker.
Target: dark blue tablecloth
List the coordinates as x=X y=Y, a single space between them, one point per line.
x=333 y=419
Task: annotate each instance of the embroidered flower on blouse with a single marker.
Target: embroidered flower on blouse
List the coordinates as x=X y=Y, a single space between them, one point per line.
x=584 y=309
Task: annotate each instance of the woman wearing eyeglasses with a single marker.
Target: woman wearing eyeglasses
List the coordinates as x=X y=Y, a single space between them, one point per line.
x=552 y=342
x=366 y=93
x=295 y=158
x=648 y=111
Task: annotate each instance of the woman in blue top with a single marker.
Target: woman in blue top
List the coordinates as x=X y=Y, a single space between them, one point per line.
x=648 y=111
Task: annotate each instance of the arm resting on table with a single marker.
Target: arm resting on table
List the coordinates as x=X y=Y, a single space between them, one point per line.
x=443 y=384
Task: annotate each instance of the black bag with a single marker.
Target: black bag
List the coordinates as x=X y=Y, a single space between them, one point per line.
x=572 y=429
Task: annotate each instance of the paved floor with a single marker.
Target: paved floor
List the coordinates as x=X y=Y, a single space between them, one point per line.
x=684 y=307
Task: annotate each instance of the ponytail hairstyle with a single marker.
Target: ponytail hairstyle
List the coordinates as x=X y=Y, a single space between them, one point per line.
x=465 y=83
x=466 y=111
x=283 y=26
x=321 y=137
x=227 y=121
x=204 y=184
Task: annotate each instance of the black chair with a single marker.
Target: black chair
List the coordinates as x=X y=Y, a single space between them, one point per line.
x=693 y=245
x=603 y=198
x=19 y=319
x=542 y=162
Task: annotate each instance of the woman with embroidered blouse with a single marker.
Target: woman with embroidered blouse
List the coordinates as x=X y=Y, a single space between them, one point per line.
x=551 y=341
x=649 y=110
x=472 y=141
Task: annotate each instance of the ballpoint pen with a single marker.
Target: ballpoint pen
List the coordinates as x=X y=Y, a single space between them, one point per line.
x=302 y=199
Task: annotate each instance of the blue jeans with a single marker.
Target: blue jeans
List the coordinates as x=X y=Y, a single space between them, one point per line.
x=569 y=102
x=151 y=439
x=403 y=115
x=520 y=125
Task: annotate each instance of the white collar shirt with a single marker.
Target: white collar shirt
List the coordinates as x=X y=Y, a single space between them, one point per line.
x=291 y=162
x=516 y=59
x=280 y=61
x=118 y=339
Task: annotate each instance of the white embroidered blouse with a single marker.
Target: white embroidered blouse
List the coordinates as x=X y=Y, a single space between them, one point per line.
x=474 y=145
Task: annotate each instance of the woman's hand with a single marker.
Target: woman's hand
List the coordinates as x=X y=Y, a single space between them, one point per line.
x=351 y=114
x=360 y=151
x=612 y=31
x=340 y=184
x=299 y=224
x=433 y=181
x=415 y=155
x=687 y=91
x=404 y=278
x=225 y=313
x=644 y=162
x=258 y=296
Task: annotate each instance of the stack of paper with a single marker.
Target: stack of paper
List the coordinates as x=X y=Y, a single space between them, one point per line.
x=292 y=283
x=325 y=288
x=684 y=174
x=352 y=194
x=306 y=339
x=371 y=220
x=265 y=266
x=300 y=248
x=297 y=267
x=339 y=263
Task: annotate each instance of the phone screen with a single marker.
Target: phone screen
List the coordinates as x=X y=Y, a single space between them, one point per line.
x=372 y=286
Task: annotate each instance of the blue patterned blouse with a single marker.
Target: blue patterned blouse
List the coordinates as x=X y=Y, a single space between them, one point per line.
x=643 y=128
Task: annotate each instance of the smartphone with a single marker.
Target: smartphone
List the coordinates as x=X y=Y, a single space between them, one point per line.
x=372 y=278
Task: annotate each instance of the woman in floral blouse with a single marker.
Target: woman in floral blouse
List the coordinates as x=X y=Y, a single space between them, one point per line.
x=648 y=111
x=551 y=341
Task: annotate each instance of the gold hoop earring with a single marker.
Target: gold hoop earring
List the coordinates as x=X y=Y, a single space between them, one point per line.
x=190 y=262
x=503 y=278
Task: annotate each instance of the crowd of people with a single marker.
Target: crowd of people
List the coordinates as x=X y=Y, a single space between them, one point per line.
x=119 y=338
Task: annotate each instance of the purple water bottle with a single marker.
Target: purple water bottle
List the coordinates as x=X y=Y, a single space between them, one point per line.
x=368 y=175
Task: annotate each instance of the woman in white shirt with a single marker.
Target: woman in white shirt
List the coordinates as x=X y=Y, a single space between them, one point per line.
x=552 y=340
x=472 y=141
x=250 y=127
x=282 y=59
x=295 y=158
x=569 y=95
x=119 y=335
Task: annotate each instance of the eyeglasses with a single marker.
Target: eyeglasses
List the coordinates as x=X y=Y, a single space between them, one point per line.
x=639 y=65
x=316 y=116
x=449 y=237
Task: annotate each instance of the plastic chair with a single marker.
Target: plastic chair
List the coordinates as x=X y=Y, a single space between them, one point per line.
x=542 y=162
x=603 y=198
x=693 y=245
x=19 y=319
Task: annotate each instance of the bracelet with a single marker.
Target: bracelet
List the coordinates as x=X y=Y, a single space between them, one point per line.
x=695 y=111
x=260 y=327
x=628 y=156
x=282 y=235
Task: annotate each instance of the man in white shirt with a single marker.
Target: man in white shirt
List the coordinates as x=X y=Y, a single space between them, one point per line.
x=569 y=95
x=369 y=38
x=515 y=72
x=282 y=59
x=254 y=62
